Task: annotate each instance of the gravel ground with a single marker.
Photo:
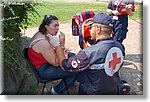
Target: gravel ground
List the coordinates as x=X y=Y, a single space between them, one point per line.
x=132 y=70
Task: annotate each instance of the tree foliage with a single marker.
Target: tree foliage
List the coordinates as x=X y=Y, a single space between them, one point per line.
x=15 y=18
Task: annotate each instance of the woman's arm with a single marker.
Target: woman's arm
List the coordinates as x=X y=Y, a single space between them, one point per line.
x=60 y=55
x=48 y=52
x=62 y=39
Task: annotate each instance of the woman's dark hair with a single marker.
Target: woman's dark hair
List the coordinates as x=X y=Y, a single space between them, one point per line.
x=46 y=21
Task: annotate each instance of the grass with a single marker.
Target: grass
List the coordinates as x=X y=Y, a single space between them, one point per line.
x=65 y=10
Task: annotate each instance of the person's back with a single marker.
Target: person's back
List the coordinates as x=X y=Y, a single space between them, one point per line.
x=34 y=54
x=95 y=80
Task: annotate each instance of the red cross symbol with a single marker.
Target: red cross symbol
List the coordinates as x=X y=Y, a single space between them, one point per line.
x=74 y=64
x=115 y=61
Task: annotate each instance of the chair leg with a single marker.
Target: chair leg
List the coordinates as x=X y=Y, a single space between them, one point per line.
x=66 y=85
x=43 y=88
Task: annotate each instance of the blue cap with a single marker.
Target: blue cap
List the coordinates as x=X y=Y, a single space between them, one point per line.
x=102 y=18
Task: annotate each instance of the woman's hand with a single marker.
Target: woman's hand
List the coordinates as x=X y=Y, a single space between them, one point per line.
x=62 y=39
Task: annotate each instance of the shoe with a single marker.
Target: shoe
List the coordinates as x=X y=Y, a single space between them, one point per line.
x=53 y=91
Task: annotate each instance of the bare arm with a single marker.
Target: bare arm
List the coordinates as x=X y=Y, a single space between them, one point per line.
x=62 y=39
x=48 y=52
x=60 y=55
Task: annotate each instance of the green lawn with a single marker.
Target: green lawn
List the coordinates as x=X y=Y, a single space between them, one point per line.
x=65 y=10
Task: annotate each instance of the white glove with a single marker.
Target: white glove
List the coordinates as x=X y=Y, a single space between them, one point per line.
x=54 y=41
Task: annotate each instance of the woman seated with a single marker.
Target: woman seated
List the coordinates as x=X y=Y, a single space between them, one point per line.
x=42 y=54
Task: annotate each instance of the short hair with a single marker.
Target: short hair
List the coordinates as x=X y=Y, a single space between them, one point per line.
x=107 y=30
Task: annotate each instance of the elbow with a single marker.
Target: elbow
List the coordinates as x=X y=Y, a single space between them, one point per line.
x=54 y=63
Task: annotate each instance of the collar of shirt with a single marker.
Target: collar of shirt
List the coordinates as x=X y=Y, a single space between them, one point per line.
x=103 y=39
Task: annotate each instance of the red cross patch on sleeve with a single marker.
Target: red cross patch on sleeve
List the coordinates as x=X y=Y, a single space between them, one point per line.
x=113 y=61
x=74 y=64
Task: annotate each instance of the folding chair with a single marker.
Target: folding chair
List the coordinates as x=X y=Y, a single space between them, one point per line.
x=39 y=79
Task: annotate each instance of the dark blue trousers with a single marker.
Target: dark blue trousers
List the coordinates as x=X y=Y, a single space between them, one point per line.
x=48 y=71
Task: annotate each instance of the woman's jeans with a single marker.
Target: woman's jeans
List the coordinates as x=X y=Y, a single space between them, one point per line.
x=48 y=71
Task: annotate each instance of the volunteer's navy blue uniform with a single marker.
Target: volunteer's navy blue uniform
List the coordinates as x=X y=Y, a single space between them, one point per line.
x=97 y=66
x=120 y=23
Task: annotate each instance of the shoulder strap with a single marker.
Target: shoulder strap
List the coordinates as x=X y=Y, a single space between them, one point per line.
x=34 y=41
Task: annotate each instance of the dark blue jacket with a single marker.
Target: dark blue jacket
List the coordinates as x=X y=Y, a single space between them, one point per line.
x=97 y=66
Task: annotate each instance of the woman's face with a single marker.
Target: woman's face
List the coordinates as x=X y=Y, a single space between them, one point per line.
x=53 y=27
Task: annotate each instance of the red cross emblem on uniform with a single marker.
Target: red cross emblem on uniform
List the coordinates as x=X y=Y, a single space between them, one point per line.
x=114 y=61
x=74 y=64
